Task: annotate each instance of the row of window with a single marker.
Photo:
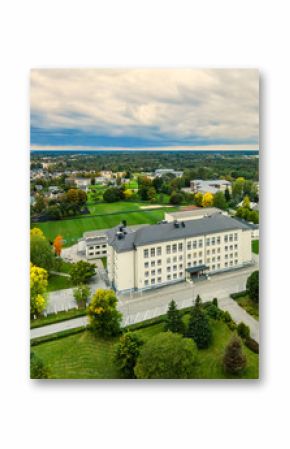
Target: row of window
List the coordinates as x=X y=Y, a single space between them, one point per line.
x=169 y=277
x=153 y=252
x=97 y=247
x=97 y=253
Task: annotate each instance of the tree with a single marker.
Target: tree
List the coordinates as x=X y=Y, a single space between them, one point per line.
x=220 y=201
x=81 y=272
x=243 y=330
x=198 y=199
x=207 y=199
x=166 y=356
x=151 y=194
x=128 y=194
x=104 y=318
x=246 y=202
x=227 y=195
x=126 y=354
x=40 y=204
x=81 y=295
x=58 y=243
x=176 y=198
x=36 y=231
x=173 y=321
x=198 y=327
x=38 y=286
x=234 y=360
x=111 y=195
x=41 y=253
x=37 y=367
x=53 y=212
x=253 y=286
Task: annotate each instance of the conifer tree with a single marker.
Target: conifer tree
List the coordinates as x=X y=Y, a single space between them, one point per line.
x=173 y=320
x=234 y=360
x=198 y=327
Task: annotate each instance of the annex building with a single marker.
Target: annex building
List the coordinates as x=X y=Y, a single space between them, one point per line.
x=170 y=252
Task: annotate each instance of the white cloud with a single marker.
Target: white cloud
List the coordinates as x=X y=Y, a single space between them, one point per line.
x=174 y=103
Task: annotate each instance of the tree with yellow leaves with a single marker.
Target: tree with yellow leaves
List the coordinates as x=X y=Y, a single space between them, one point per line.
x=58 y=244
x=36 y=232
x=198 y=199
x=38 y=286
x=104 y=318
x=128 y=194
x=207 y=199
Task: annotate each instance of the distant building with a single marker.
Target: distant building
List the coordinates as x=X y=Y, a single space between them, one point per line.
x=193 y=214
x=212 y=186
x=38 y=187
x=165 y=171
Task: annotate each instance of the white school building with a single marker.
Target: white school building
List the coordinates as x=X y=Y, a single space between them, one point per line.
x=170 y=252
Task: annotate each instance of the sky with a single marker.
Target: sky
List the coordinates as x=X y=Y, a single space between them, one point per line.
x=144 y=108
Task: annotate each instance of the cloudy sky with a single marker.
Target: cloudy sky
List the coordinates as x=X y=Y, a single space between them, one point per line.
x=144 y=108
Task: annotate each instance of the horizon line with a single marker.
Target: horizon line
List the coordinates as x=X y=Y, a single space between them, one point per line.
x=219 y=147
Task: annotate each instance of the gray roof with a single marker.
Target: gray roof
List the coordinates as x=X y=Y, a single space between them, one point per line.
x=199 y=211
x=164 y=232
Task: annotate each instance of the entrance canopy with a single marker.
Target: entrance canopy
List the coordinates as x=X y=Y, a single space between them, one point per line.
x=196 y=269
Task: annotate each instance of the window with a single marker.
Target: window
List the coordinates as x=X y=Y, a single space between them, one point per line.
x=231 y=247
x=153 y=281
x=104 y=252
x=213 y=251
x=152 y=272
x=194 y=254
x=153 y=263
x=146 y=253
x=218 y=240
x=218 y=257
x=91 y=247
x=226 y=264
x=236 y=246
x=174 y=267
x=226 y=248
x=213 y=267
x=152 y=252
x=231 y=255
x=231 y=237
x=188 y=245
x=159 y=271
x=175 y=276
x=208 y=251
x=208 y=260
x=180 y=258
x=91 y=253
x=146 y=282
x=200 y=261
x=159 y=251
x=226 y=256
x=236 y=254
x=236 y=261
x=195 y=263
x=168 y=249
x=174 y=248
x=188 y=264
x=168 y=260
x=213 y=241
x=104 y=246
x=180 y=266
x=236 y=236
x=180 y=246
x=159 y=279
x=146 y=264
x=213 y=259
x=231 y=263
x=200 y=243
x=218 y=266
x=180 y=274
x=226 y=238
x=218 y=250
x=194 y=244
x=200 y=253
x=168 y=269
x=146 y=274
x=169 y=277
x=174 y=259
x=159 y=262
x=207 y=242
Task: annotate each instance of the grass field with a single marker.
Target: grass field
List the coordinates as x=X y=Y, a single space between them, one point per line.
x=56 y=282
x=82 y=356
x=73 y=229
x=56 y=318
x=255 y=246
x=120 y=206
x=250 y=306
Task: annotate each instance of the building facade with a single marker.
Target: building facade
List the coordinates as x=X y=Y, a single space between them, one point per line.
x=95 y=244
x=167 y=253
x=212 y=186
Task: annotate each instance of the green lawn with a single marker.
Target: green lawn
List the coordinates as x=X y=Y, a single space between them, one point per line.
x=56 y=317
x=73 y=229
x=82 y=356
x=255 y=246
x=250 y=306
x=56 y=282
x=110 y=208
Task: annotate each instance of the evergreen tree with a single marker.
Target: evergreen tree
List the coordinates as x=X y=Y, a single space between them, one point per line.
x=126 y=354
x=227 y=195
x=198 y=327
x=173 y=320
x=234 y=360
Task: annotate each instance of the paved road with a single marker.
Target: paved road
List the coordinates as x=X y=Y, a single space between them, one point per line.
x=152 y=304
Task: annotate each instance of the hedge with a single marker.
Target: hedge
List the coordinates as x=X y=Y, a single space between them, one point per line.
x=239 y=294
x=56 y=336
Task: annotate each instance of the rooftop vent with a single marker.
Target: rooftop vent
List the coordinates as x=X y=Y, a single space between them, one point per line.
x=120 y=235
x=176 y=224
x=183 y=224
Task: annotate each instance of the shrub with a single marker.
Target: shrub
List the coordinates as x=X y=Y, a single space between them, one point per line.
x=126 y=354
x=167 y=356
x=213 y=312
x=253 y=286
x=252 y=344
x=232 y=325
x=37 y=368
x=234 y=360
x=226 y=317
x=105 y=319
x=215 y=302
x=243 y=330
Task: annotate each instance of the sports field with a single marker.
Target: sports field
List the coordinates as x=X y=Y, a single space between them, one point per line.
x=120 y=206
x=72 y=229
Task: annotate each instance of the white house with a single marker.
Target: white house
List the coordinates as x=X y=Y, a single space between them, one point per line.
x=165 y=253
x=212 y=186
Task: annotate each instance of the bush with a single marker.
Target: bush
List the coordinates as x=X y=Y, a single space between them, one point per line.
x=253 y=286
x=243 y=330
x=37 y=368
x=232 y=325
x=126 y=354
x=167 y=356
x=213 y=312
x=81 y=272
x=252 y=345
x=226 y=317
